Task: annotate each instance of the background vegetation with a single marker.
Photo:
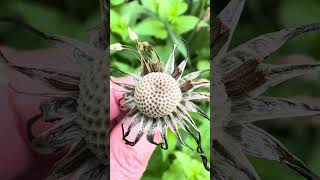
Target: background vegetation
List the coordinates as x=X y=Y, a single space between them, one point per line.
x=74 y=17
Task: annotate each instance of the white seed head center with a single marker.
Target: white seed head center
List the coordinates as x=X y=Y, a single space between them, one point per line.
x=157 y=94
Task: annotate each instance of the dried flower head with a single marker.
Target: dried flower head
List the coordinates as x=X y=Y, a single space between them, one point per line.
x=239 y=77
x=160 y=98
x=78 y=107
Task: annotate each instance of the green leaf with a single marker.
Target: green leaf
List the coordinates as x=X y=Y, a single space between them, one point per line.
x=116 y=2
x=47 y=19
x=155 y=166
x=185 y=168
x=172 y=9
x=151 y=27
x=152 y=5
x=130 y=12
x=123 y=66
x=122 y=17
x=118 y=25
x=183 y=24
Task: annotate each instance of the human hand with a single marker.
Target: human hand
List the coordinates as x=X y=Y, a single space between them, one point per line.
x=126 y=162
x=17 y=159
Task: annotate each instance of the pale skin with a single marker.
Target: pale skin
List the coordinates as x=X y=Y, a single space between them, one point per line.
x=17 y=160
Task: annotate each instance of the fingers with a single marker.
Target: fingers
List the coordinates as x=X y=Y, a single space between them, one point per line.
x=128 y=162
x=116 y=93
x=16 y=156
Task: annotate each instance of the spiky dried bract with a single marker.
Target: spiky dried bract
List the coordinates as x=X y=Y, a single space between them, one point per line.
x=160 y=98
x=157 y=94
x=239 y=76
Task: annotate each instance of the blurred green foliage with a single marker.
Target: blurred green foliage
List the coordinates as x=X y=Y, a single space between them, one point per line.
x=70 y=18
x=163 y=23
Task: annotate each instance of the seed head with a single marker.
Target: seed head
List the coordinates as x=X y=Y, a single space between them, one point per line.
x=157 y=94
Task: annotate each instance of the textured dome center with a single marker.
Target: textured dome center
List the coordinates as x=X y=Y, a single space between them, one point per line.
x=157 y=94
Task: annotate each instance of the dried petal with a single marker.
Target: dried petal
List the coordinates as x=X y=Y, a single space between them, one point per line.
x=263 y=108
x=262 y=46
x=256 y=142
x=169 y=68
x=281 y=73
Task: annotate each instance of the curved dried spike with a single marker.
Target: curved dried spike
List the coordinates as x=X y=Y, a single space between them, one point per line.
x=135 y=77
x=169 y=68
x=173 y=127
x=262 y=46
x=130 y=104
x=179 y=70
x=256 y=142
x=189 y=96
x=229 y=162
x=151 y=130
x=136 y=120
x=51 y=78
x=93 y=171
x=280 y=73
x=50 y=95
x=199 y=150
x=30 y=123
x=263 y=108
x=145 y=123
x=192 y=76
x=185 y=115
x=127 y=95
x=190 y=106
x=77 y=156
x=189 y=86
x=3 y=59
x=57 y=108
x=124 y=85
x=61 y=134
x=163 y=131
x=77 y=51
x=224 y=26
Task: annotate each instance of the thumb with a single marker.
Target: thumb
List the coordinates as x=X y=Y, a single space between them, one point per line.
x=128 y=162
